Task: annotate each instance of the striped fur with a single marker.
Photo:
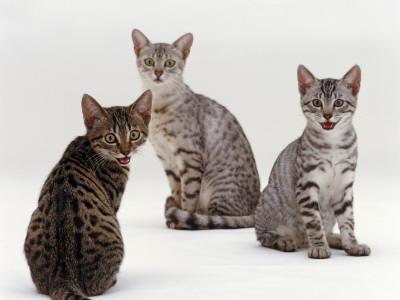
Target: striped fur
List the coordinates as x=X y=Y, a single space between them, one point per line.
x=181 y=219
x=204 y=151
x=74 y=245
x=311 y=183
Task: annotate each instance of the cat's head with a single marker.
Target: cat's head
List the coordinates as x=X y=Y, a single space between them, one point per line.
x=161 y=65
x=116 y=132
x=329 y=103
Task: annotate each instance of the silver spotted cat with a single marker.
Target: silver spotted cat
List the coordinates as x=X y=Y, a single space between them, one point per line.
x=311 y=183
x=205 y=153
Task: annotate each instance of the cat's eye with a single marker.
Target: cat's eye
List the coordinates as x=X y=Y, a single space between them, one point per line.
x=149 y=62
x=338 y=103
x=317 y=103
x=110 y=138
x=134 y=135
x=169 y=63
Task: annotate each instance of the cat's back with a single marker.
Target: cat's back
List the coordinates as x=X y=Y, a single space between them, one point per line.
x=212 y=111
x=284 y=168
x=277 y=198
x=72 y=177
x=227 y=152
x=72 y=220
x=218 y=124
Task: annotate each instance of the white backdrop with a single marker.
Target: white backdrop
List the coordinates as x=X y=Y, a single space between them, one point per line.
x=245 y=55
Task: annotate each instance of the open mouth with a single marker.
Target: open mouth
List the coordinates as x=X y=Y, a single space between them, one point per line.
x=328 y=125
x=124 y=160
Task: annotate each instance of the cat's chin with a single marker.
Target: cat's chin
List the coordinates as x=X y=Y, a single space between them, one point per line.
x=154 y=84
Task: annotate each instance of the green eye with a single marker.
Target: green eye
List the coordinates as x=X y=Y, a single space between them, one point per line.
x=317 y=103
x=135 y=135
x=338 y=103
x=110 y=138
x=169 y=63
x=149 y=62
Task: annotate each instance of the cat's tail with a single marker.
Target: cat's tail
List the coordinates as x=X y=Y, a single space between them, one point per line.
x=67 y=291
x=181 y=219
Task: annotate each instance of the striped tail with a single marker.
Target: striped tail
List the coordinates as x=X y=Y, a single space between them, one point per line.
x=67 y=291
x=180 y=219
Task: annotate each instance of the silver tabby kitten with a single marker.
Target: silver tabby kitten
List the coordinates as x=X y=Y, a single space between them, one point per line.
x=205 y=153
x=311 y=183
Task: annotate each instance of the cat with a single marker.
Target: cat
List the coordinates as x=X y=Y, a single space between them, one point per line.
x=74 y=245
x=204 y=151
x=311 y=182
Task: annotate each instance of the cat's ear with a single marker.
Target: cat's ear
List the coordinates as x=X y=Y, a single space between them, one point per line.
x=139 y=41
x=184 y=43
x=352 y=79
x=142 y=107
x=92 y=111
x=305 y=79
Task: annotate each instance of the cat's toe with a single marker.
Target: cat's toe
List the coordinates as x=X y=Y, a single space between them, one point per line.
x=319 y=252
x=170 y=224
x=114 y=281
x=334 y=241
x=285 y=244
x=358 y=250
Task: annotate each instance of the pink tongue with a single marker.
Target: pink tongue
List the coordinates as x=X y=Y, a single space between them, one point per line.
x=124 y=160
x=327 y=124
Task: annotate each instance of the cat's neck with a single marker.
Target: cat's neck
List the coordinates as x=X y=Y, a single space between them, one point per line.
x=168 y=93
x=331 y=137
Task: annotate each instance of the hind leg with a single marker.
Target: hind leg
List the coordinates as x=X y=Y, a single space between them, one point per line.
x=273 y=235
x=100 y=272
x=101 y=286
x=227 y=201
x=334 y=241
x=275 y=225
x=285 y=243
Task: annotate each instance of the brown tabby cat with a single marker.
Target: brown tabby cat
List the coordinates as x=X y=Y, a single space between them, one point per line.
x=74 y=245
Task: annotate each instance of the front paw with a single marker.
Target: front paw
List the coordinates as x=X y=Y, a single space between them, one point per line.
x=319 y=252
x=358 y=250
x=171 y=224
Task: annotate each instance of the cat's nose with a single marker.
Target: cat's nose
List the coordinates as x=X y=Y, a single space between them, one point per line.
x=327 y=116
x=126 y=153
x=158 y=73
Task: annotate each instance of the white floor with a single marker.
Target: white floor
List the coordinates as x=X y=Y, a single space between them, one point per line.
x=161 y=263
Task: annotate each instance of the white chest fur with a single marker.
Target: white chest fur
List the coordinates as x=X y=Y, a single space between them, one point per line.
x=164 y=136
x=335 y=171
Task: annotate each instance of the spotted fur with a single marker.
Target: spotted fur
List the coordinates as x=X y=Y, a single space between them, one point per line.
x=205 y=153
x=74 y=245
x=311 y=183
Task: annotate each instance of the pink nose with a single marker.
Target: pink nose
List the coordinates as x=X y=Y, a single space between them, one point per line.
x=126 y=152
x=158 y=73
